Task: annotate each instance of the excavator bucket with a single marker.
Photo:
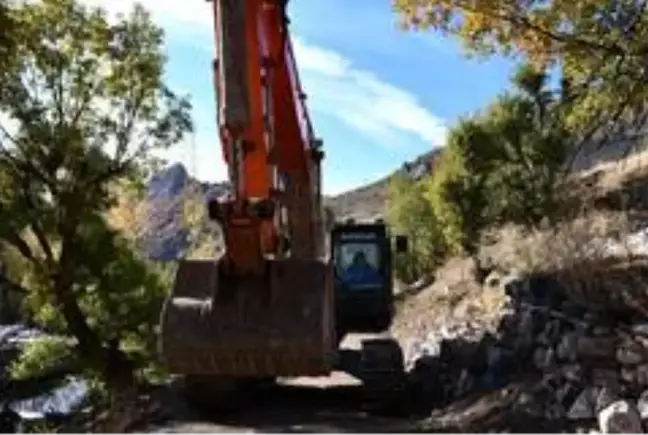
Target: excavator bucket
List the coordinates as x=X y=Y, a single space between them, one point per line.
x=280 y=325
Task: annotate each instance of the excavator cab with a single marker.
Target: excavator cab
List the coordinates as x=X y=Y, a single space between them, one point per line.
x=361 y=256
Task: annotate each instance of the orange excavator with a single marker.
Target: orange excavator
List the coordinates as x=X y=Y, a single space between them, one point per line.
x=287 y=289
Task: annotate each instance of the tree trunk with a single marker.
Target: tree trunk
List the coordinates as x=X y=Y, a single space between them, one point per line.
x=115 y=366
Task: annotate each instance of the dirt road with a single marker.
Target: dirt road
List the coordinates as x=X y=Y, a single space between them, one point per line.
x=326 y=404
x=304 y=405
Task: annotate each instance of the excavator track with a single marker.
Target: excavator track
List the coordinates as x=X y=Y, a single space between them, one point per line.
x=382 y=371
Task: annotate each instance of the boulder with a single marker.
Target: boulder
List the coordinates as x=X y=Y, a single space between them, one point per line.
x=620 y=416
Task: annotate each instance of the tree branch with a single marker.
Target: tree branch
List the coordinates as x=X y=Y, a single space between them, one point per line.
x=515 y=18
x=14 y=239
x=12 y=285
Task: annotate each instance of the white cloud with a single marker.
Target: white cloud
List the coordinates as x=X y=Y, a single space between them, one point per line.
x=336 y=87
x=362 y=100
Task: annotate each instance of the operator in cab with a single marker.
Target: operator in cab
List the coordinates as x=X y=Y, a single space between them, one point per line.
x=361 y=272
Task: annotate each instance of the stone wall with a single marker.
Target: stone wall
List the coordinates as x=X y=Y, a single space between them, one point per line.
x=587 y=361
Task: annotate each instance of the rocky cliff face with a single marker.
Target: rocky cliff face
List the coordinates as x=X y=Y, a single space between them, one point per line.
x=164 y=236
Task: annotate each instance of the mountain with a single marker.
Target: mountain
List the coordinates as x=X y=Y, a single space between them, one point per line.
x=369 y=202
x=165 y=236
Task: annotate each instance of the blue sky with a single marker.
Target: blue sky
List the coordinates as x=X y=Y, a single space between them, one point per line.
x=378 y=95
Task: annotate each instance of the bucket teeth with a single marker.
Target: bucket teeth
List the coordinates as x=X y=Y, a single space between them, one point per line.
x=291 y=333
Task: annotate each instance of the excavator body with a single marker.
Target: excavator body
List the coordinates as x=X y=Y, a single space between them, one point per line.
x=275 y=304
x=288 y=326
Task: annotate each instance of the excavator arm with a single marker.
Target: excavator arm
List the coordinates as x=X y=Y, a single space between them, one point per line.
x=266 y=307
x=267 y=139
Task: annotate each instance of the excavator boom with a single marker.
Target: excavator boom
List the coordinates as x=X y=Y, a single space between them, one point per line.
x=267 y=136
x=266 y=307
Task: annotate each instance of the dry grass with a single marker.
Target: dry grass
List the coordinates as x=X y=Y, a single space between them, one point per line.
x=531 y=251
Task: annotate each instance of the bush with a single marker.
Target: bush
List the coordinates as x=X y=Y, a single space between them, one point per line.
x=410 y=214
x=501 y=166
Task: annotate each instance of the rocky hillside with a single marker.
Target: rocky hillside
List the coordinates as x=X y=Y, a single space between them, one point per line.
x=164 y=232
x=165 y=237
x=369 y=202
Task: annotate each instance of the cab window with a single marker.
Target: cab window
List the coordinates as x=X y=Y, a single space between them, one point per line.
x=358 y=263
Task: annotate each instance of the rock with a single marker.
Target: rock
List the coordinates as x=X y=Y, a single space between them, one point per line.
x=163 y=236
x=516 y=287
x=605 y=377
x=529 y=404
x=602 y=331
x=545 y=291
x=642 y=375
x=499 y=358
x=584 y=407
x=553 y=331
x=596 y=347
x=425 y=380
x=567 y=347
x=168 y=183
x=543 y=358
x=642 y=405
x=620 y=417
x=572 y=372
x=567 y=395
x=629 y=354
x=524 y=333
x=464 y=384
x=629 y=375
x=459 y=352
x=606 y=397
x=573 y=311
x=640 y=328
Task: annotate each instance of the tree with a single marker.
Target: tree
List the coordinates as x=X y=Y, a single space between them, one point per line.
x=410 y=214
x=88 y=105
x=599 y=46
x=502 y=165
x=458 y=191
x=6 y=30
x=531 y=148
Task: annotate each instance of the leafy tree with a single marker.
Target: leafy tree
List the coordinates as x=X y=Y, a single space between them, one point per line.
x=204 y=235
x=88 y=105
x=6 y=30
x=410 y=214
x=502 y=165
x=458 y=190
x=531 y=145
x=600 y=47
